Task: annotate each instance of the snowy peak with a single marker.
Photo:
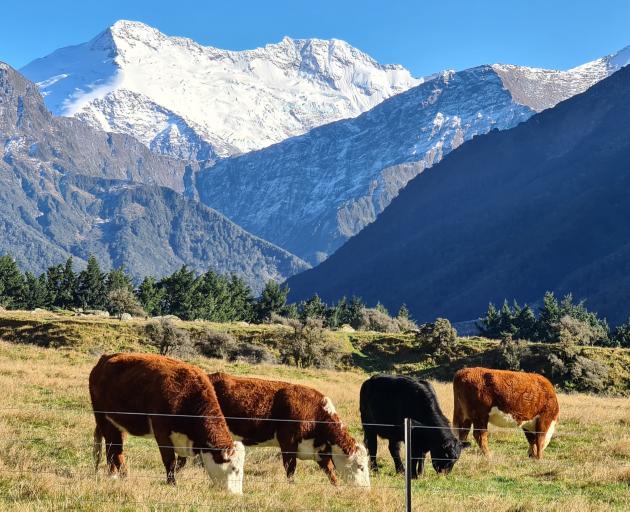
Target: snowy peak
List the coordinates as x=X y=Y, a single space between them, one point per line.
x=234 y=101
x=540 y=88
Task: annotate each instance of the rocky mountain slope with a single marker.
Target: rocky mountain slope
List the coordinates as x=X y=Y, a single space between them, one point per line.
x=311 y=193
x=199 y=102
x=508 y=215
x=68 y=189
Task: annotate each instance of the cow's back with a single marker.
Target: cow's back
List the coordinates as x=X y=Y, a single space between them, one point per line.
x=522 y=395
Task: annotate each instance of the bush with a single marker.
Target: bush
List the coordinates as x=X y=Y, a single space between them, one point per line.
x=510 y=354
x=123 y=300
x=219 y=345
x=168 y=339
x=222 y=345
x=309 y=344
x=379 y=321
x=574 y=371
x=572 y=330
x=438 y=338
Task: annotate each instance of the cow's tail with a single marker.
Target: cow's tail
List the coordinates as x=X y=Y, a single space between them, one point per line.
x=97 y=448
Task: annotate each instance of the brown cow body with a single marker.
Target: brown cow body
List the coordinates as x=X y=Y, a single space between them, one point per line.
x=272 y=408
x=506 y=399
x=153 y=396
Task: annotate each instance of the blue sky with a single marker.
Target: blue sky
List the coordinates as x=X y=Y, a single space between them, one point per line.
x=424 y=36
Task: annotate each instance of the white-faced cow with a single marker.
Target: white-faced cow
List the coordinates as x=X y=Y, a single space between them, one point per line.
x=300 y=420
x=387 y=400
x=506 y=399
x=174 y=403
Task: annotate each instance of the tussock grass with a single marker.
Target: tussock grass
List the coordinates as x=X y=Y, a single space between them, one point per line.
x=46 y=436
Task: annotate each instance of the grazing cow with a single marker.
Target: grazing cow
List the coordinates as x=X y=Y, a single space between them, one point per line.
x=387 y=400
x=300 y=420
x=158 y=397
x=505 y=399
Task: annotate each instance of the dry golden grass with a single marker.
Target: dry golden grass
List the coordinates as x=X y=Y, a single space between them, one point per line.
x=45 y=454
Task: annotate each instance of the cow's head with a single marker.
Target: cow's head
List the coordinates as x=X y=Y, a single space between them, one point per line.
x=352 y=468
x=445 y=455
x=228 y=472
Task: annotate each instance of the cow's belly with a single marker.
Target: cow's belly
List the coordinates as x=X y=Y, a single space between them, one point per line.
x=182 y=444
x=148 y=434
x=506 y=420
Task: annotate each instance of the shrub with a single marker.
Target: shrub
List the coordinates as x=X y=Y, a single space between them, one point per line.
x=511 y=352
x=575 y=371
x=219 y=345
x=309 y=344
x=222 y=345
x=123 y=300
x=572 y=330
x=167 y=338
x=378 y=320
x=438 y=338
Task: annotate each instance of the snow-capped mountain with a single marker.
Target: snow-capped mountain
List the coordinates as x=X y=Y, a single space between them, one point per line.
x=309 y=194
x=194 y=101
x=68 y=189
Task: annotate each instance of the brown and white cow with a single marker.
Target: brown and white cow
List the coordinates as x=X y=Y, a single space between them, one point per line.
x=506 y=399
x=174 y=403
x=300 y=420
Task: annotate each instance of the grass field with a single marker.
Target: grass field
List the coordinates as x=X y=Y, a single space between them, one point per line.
x=45 y=452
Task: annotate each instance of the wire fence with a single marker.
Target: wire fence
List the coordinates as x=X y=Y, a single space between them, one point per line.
x=404 y=490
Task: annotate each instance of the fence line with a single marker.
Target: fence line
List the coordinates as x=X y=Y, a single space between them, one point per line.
x=415 y=424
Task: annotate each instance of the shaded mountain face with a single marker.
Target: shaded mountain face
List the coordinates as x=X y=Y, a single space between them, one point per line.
x=309 y=194
x=67 y=189
x=200 y=102
x=543 y=206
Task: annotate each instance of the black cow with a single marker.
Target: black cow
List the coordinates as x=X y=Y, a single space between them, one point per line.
x=388 y=400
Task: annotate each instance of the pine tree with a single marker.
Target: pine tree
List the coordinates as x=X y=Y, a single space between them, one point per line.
x=36 y=293
x=66 y=295
x=382 y=309
x=403 y=312
x=91 y=290
x=118 y=279
x=314 y=308
x=273 y=299
x=526 y=324
x=11 y=284
x=490 y=325
x=355 y=312
x=178 y=293
x=549 y=316
x=150 y=296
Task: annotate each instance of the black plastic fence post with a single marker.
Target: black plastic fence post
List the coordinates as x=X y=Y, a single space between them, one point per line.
x=408 y=463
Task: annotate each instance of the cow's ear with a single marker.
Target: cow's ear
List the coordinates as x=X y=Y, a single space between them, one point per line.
x=465 y=444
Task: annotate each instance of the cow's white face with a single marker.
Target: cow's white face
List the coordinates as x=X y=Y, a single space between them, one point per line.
x=228 y=474
x=352 y=468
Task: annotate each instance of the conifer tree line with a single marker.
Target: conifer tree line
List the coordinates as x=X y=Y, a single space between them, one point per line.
x=209 y=296
x=555 y=320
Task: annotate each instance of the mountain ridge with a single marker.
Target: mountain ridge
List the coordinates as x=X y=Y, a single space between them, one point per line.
x=508 y=215
x=68 y=189
x=283 y=89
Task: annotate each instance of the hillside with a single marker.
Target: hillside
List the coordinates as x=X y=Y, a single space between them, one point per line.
x=310 y=194
x=68 y=189
x=508 y=215
x=47 y=442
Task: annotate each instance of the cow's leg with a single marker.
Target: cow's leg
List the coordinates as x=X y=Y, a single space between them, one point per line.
x=417 y=468
x=545 y=428
x=461 y=423
x=371 y=442
x=480 y=433
x=394 y=450
x=180 y=463
x=326 y=463
x=169 y=459
x=114 y=439
x=531 y=439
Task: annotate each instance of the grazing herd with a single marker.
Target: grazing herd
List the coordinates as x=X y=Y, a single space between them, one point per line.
x=190 y=413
